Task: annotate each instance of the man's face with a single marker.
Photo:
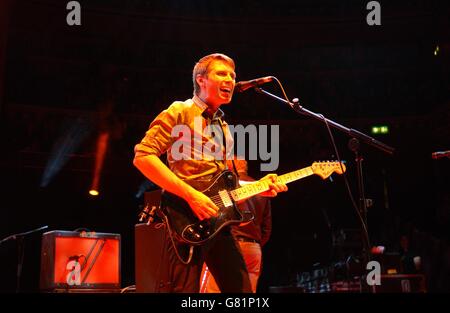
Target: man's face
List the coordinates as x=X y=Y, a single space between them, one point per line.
x=216 y=88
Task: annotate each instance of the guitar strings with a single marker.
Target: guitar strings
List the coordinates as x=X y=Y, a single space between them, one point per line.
x=217 y=199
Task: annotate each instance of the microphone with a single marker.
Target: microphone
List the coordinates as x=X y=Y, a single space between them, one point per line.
x=244 y=85
x=440 y=154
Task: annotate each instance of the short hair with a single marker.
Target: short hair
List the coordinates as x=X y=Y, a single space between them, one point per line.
x=202 y=67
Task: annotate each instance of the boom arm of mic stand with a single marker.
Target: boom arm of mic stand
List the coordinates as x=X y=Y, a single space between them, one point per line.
x=15 y=236
x=20 y=244
x=351 y=132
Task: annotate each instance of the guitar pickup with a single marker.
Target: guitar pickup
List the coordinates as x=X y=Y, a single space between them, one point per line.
x=225 y=197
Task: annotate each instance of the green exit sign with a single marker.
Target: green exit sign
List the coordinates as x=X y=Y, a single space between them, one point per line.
x=380 y=129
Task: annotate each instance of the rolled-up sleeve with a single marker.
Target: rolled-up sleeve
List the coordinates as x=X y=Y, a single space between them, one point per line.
x=158 y=139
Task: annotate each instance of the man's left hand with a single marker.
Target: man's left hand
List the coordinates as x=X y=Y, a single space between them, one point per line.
x=274 y=186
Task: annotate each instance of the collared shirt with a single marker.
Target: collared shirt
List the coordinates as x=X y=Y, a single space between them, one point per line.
x=193 y=152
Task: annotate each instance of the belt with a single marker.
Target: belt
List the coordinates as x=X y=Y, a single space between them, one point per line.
x=244 y=239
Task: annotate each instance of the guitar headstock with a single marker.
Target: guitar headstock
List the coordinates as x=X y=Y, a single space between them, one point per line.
x=326 y=168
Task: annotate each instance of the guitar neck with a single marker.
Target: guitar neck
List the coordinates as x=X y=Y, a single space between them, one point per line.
x=258 y=187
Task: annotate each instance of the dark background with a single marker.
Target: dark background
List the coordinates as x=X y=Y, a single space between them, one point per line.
x=60 y=86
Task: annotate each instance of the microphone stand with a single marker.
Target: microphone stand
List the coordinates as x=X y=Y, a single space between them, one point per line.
x=351 y=132
x=356 y=137
x=21 y=250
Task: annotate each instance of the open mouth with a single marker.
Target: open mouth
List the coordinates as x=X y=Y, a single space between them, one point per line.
x=226 y=90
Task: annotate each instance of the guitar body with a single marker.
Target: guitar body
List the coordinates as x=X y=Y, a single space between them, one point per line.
x=188 y=227
x=223 y=191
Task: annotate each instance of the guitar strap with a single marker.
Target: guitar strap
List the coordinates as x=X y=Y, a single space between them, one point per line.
x=234 y=168
x=225 y=146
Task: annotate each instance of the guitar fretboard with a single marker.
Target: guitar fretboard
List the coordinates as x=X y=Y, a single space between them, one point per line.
x=258 y=187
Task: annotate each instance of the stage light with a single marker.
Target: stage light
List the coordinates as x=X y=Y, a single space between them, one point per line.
x=102 y=147
x=73 y=135
x=94 y=192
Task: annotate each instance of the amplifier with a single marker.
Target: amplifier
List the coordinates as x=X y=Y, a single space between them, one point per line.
x=80 y=261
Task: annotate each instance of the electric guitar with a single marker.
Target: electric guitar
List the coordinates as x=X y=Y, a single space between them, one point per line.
x=224 y=191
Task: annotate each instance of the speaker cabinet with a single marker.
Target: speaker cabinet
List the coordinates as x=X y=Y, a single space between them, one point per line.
x=80 y=262
x=151 y=259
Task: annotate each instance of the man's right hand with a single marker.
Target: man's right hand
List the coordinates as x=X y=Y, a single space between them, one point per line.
x=155 y=170
x=201 y=205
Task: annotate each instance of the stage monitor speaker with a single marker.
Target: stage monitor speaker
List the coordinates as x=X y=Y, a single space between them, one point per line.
x=80 y=262
x=151 y=258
